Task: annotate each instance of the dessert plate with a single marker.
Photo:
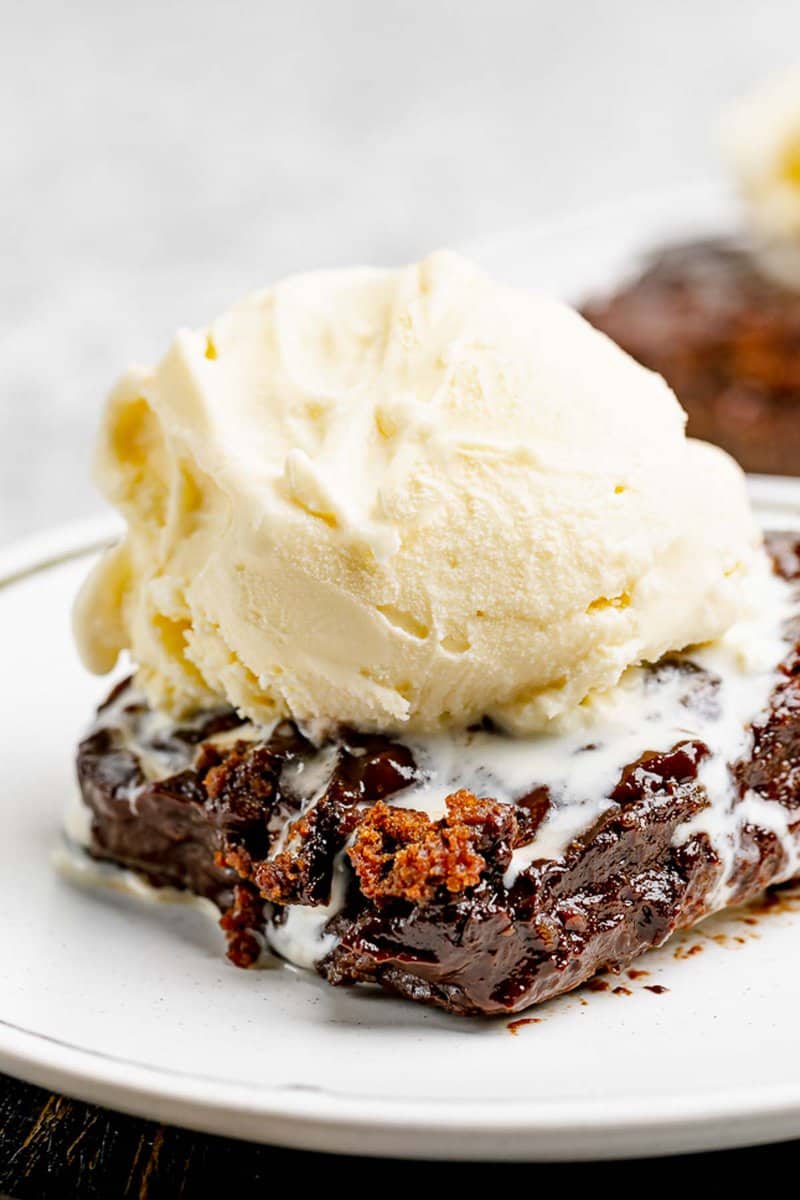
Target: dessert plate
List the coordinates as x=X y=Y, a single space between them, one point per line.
x=131 y=1004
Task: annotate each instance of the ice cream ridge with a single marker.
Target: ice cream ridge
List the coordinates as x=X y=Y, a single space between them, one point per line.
x=406 y=500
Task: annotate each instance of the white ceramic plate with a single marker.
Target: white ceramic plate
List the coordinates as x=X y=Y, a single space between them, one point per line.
x=132 y=1004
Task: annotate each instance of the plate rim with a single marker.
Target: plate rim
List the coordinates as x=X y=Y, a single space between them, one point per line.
x=322 y=1119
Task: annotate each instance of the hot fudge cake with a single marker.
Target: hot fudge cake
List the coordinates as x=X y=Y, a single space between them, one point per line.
x=460 y=670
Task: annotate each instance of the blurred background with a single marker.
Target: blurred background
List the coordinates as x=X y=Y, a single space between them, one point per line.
x=161 y=158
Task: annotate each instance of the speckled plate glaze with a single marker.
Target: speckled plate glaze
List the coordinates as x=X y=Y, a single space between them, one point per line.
x=131 y=1004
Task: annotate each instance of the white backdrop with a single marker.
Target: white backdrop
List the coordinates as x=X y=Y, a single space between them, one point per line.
x=158 y=159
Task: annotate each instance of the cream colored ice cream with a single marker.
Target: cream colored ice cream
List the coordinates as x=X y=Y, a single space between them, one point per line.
x=405 y=500
x=761 y=137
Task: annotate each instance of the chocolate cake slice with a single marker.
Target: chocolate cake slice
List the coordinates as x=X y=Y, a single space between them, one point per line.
x=726 y=337
x=474 y=872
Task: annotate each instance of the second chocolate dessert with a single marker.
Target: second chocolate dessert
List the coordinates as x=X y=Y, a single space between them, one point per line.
x=720 y=318
x=726 y=337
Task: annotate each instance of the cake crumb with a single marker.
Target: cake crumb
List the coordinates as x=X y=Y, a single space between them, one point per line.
x=399 y=853
x=515 y=1026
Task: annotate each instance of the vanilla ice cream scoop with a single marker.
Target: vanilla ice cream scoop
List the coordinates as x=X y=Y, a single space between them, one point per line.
x=405 y=500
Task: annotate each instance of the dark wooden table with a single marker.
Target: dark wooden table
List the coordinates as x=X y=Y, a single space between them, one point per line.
x=54 y=1147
